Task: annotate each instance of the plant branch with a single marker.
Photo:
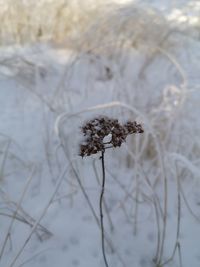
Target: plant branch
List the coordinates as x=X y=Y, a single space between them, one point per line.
x=104 y=202
x=101 y=210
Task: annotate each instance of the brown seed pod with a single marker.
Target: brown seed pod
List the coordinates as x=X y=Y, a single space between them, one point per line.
x=96 y=129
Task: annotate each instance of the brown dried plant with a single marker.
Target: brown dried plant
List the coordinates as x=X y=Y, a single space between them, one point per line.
x=97 y=129
x=95 y=132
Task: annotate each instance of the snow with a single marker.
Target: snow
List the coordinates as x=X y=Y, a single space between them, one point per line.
x=47 y=93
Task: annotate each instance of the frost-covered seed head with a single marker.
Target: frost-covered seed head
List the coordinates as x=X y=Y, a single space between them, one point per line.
x=97 y=129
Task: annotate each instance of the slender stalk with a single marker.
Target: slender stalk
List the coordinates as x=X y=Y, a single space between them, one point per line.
x=109 y=242
x=158 y=227
x=91 y=207
x=136 y=206
x=15 y=212
x=177 y=243
x=165 y=204
x=101 y=210
x=104 y=202
x=164 y=219
x=180 y=255
x=37 y=222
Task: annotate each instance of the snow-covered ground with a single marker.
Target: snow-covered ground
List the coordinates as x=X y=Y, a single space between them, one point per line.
x=139 y=62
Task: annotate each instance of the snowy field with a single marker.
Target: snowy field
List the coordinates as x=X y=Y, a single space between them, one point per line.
x=129 y=60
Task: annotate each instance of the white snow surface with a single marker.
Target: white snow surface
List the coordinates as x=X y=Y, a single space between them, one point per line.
x=47 y=93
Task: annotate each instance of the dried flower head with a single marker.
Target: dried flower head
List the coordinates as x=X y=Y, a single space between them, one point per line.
x=97 y=129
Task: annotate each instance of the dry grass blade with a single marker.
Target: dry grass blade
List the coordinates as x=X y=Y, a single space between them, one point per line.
x=60 y=179
x=15 y=213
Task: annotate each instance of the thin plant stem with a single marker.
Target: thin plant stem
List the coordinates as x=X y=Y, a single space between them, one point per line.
x=104 y=202
x=101 y=210
x=34 y=257
x=5 y=156
x=89 y=202
x=136 y=206
x=16 y=211
x=90 y=205
x=37 y=222
x=137 y=186
x=158 y=227
x=110 y=244
x=180 y=255
x=165 y=204
x=177 y=243
x=157 y=209
x=187 y=204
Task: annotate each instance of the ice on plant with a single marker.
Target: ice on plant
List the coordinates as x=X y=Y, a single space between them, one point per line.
x=65 y=63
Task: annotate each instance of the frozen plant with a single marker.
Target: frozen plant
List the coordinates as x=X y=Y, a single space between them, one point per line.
x=100 y=134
